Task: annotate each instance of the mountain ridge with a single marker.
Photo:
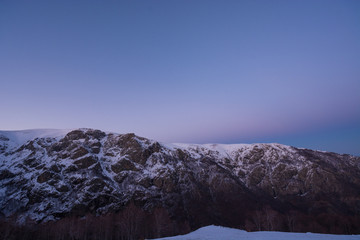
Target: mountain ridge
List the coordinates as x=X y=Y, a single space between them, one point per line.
x=253 y=186
x=56 y=133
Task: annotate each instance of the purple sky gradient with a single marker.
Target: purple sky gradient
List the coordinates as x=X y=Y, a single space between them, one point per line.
x=186 y=71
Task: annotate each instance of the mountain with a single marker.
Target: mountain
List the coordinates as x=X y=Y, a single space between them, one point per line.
x=53 y=177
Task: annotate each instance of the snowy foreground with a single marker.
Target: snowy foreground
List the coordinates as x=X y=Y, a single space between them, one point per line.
x=217 y=233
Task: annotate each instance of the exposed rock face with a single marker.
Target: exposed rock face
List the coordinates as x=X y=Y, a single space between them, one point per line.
x=89 y=171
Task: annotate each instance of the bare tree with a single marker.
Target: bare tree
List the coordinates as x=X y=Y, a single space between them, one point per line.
x=130 y=222
x=269 y=218
x=290 y=218
x=161 y=223
x=257 y=218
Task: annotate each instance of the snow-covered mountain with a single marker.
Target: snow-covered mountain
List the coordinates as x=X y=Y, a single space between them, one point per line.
x=55 y=174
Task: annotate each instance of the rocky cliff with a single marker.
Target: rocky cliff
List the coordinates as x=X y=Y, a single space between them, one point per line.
x=50 y=175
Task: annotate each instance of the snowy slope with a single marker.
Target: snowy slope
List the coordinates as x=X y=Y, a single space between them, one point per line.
x=220 y=233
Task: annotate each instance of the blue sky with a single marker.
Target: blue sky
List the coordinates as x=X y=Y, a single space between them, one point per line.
x=186 y=71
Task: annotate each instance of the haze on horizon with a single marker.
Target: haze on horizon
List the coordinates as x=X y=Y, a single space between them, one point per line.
x=185 y=71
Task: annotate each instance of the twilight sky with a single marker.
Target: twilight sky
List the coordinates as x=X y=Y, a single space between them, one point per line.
x=185 y=70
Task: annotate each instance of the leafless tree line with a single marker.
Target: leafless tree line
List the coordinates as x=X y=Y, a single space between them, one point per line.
x=268 y=219
x=135 y=223
x=131 y=223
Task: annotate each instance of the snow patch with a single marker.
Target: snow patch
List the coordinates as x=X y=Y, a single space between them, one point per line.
x=219 y=233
